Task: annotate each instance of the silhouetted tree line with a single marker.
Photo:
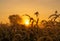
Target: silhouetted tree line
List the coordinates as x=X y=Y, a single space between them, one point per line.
x=18 y=32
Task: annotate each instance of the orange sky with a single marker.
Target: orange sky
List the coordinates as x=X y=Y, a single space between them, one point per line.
x=20 y=7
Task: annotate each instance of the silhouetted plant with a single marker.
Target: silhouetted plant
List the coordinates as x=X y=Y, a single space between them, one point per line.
x=5 y=39
x=45 y=38
x=37 y=13
x=20 y=32
x=55 y=16
x=31 y=19
x=15 y=19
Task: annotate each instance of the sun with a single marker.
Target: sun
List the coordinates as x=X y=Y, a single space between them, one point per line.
x=27 y=22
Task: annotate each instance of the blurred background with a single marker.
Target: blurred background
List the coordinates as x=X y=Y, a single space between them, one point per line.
x=20 y=7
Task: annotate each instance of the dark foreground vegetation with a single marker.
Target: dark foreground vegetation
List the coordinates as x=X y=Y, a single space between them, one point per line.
x=18 y=32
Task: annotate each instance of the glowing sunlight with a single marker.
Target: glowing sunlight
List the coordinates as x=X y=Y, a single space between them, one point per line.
x=26 y=20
